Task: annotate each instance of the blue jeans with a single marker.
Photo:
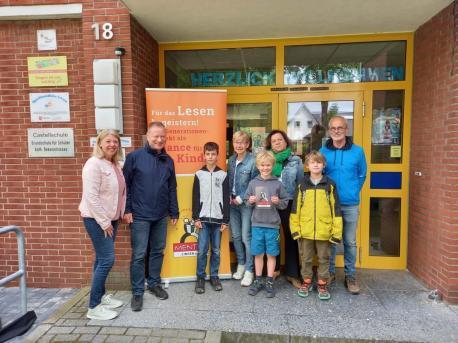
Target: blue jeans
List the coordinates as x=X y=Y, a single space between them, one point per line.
x=350 y=216
x=209 y=234
x=240 y=223
x=142 y=232
x=104 y=258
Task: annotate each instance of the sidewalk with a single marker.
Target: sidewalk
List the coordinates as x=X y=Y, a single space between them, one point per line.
x=44 y=301
x=392 y=306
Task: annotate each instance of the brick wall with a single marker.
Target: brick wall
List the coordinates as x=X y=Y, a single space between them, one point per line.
x=41 y=195
x=433 y=208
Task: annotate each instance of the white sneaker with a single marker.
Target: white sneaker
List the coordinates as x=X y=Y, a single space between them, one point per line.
x=239 y=273
x=109 y=302
x=247 y=279
x=101 y=313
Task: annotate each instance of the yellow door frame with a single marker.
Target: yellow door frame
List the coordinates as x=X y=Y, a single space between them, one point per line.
x=276 y=92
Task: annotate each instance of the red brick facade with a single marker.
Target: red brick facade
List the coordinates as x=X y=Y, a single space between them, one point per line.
x=433 y=203
x=41 y=195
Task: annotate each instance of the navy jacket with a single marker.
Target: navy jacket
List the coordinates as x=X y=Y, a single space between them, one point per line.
x=151 y=184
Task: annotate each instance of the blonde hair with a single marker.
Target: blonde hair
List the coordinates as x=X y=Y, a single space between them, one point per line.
x=242 y=135
x=315 y=156
x=98 y=152
x=265 y=156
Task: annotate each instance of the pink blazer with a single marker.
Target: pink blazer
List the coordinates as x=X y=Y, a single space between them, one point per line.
x=100 y=192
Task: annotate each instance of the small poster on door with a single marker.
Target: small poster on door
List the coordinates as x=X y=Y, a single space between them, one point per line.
x=258 y=136
x=386 y=126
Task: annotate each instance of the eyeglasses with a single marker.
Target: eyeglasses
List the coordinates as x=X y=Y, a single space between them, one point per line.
x=338 y=128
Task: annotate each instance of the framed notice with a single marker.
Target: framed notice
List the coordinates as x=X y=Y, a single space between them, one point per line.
x=46 y=40
x=47 y=71
x=51 y=142
x=49 y=107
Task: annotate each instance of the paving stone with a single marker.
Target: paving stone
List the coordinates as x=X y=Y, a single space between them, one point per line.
x=76 y=322
x=99 y=338
x=196 y=341
x=140 y=339
x=213 y=337
x=164 y=332
x=112 y=331
x=61 y=329
x=86 y=338
x=66 y=338
x=154 y=339
x=174 y=340
x=37 y=332
x=73 y=315
x=87 y=329
x=119 y=339
x=46 y=339
x=191 y=334
x=138 y=332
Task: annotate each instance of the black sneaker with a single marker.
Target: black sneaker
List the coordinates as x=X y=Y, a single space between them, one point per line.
x=216 y=284
x=200 y=285
x=136 y=304
x=270 y=289
x=255 y=287
x=159 y=292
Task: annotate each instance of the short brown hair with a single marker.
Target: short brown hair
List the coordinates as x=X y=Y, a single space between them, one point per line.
x=268 y=143
x=156 y=124
x=211 y=146
x=315 y=156
x=265 y=156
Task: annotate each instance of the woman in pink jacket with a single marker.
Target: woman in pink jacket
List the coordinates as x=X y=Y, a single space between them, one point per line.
x=102 y=205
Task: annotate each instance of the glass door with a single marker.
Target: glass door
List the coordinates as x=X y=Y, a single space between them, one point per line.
x=305 y=118
x=255 y=114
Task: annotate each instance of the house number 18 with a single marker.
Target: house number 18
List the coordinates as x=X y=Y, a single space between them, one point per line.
x=107 y=30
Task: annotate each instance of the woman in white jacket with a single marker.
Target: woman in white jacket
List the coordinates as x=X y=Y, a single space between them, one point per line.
x=102 y=205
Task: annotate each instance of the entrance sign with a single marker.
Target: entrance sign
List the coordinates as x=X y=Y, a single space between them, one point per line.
x=53 y=142
x=49 y=107
x=47 y=71
x=192 y=118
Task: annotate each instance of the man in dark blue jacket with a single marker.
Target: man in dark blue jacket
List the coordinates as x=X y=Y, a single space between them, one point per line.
x=346 y=165
x=151 y=199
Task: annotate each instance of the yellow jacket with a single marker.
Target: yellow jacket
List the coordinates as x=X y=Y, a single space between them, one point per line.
x=315 y=213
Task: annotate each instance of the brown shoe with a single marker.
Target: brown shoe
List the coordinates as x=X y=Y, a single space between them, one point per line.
x=295 y=282
x=352 y=285
x=276 y=274
x=332 y=279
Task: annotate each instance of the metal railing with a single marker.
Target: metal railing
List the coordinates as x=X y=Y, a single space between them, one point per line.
x=21 y=272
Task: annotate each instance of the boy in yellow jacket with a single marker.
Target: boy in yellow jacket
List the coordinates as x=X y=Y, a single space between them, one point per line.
x=316 y=223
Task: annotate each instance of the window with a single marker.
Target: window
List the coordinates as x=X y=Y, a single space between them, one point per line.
x=220 y=67
x=350 y=62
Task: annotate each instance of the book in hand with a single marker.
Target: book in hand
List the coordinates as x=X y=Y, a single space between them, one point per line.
x=262 y=198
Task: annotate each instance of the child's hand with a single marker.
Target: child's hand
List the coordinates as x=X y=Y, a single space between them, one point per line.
x=252 y=199
x=223 y=227
x=275 y=199
x=198 y=224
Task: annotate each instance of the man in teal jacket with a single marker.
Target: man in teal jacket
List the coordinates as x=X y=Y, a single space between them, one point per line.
x=346 y=165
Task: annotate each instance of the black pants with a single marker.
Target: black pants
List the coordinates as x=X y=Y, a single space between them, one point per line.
x=290 y=247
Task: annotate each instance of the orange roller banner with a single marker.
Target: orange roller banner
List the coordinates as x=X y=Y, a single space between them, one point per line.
x=192 y=118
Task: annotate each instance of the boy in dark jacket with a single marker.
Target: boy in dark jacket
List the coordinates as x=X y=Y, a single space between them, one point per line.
x=210 y=211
